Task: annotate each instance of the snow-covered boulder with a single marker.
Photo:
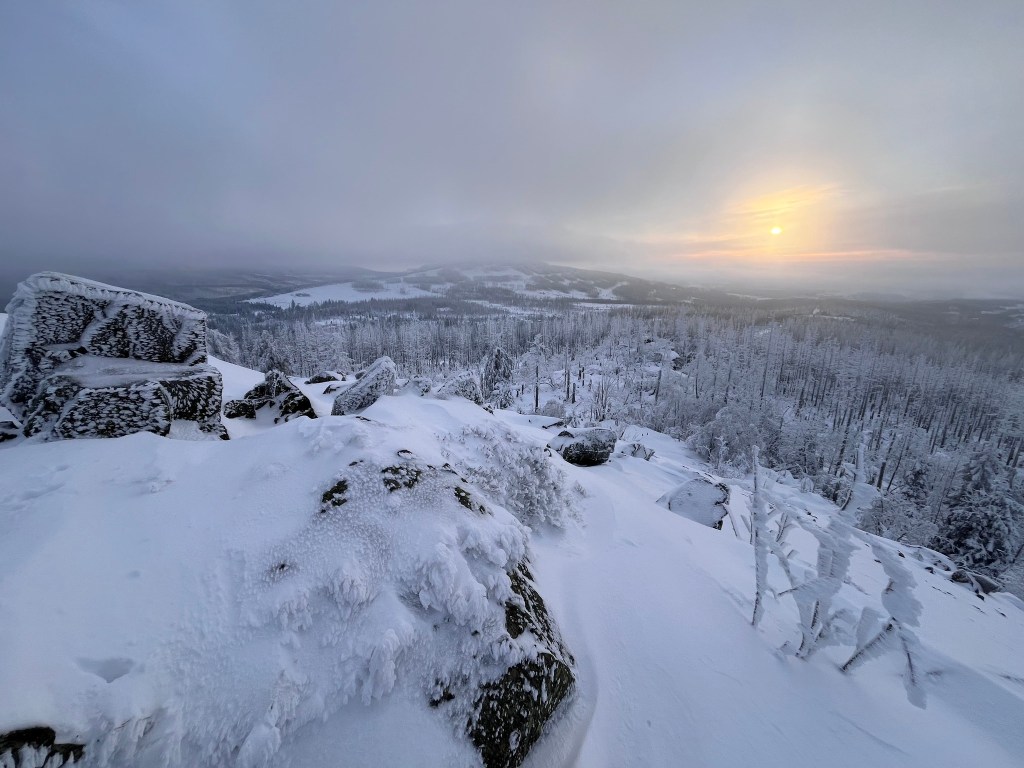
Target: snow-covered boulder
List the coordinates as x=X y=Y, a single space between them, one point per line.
x=700 y=500
x=377 y=380
x=277 y=394
x=584 y=447
x=639 y=451
x=83 y=359
x=316 y=570
x=461 y=385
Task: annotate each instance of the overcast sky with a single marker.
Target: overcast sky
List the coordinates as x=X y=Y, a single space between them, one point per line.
x=882 y=141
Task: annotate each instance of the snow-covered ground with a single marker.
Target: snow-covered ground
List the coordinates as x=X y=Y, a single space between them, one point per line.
x=344 y=292
x=135 y=595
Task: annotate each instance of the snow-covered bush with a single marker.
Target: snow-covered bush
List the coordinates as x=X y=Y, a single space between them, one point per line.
x=520 y=475
x=726 y=441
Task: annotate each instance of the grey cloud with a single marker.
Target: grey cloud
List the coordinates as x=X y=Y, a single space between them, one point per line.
x=176 y=133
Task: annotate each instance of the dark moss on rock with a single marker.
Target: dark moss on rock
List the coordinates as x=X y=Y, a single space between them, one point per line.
x=401 y=477
x=510 y=713
x=334 y=496
x=38 y=744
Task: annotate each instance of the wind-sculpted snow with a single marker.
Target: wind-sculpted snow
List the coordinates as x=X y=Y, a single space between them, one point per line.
x=210 y=599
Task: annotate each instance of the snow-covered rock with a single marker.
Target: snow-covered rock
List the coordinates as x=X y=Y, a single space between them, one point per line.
x=83 y=359
x=585 y=447
x=639 y=451
x=321 y=378
x=461 y=385
x=210 y=600
x=377 y=380
x=700 y=500
x=277 y=394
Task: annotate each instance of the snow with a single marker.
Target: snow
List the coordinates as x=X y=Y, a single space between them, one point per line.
x=346 y=292
x=138 y=578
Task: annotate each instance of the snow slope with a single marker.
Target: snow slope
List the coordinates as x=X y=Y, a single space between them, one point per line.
x=130 y=586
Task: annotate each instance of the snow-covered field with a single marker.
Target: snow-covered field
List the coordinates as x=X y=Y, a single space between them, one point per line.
x=139 y=598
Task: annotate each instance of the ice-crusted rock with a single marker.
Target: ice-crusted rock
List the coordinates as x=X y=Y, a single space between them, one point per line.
x=278 y=394
x=496 y=380
x=83 y=359
x=37 y=747
x=55 y=318
x=585 y=447
x=699 y=500
x=375 y=381
x=461 y=385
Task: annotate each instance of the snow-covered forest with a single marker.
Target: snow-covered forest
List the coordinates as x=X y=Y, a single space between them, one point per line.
x=932 y=421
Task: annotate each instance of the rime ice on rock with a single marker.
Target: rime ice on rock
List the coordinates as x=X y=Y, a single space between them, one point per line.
x=276 y=392
x=376 y=381
x=84 y=359
x=461 y=385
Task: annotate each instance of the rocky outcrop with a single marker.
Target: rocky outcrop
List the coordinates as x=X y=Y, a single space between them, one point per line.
x=277 y=394
x=377 y=380
x=83 y=359
x=699 y=500
x=521 y=670
x=584 y=447
x=510 y=714
x=461 y=385
x=38 y=746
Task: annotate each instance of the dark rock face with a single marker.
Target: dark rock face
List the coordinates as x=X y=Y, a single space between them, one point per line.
x=376 y=381
x=83 y=359
x=321 y=378
x=37 y=746
x=462 y=385
x=585 y=447
x=9 y=431
x=981 y=584
x=276 y=393
x=496 y=381
x=510 y=714
x=699 y=500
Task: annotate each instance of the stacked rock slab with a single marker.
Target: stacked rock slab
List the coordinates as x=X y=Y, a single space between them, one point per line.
x=84 y=359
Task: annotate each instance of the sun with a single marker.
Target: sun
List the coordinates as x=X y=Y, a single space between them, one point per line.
x=776 y=230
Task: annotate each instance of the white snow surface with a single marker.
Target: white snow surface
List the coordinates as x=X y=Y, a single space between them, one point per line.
x=139 y=591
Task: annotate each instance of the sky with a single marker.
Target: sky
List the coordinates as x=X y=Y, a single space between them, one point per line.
x=870 y=146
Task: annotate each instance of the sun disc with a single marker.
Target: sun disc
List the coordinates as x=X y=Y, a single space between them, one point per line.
x=776 y=230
